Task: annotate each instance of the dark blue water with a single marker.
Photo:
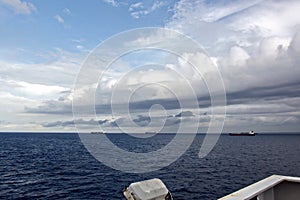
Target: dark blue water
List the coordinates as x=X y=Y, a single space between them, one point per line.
x=57 y=166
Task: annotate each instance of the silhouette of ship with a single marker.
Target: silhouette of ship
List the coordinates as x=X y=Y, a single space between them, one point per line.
x=250 y=133
x=97 y=132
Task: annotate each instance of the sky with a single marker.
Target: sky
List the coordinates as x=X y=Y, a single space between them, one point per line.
x=255 y=46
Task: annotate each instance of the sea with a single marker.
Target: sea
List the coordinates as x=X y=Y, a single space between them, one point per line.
x=58 y=166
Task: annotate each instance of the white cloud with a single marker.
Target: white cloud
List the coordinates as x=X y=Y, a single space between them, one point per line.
x=134 y=6
x=60 y=71
x=28 y=87
x=67 y=11
x=238 y=56
x=254 y=43
x=114 y=3
x=12 y=108
x=59 y=19
x=18 y=6
x=33 y=91
x=251 y=40
x=219 y=26
x=210 y=12
x=272 y=63
x=139 y=9
x=269 y=18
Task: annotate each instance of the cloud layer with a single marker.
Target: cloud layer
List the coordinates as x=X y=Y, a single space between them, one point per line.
x=255 y=45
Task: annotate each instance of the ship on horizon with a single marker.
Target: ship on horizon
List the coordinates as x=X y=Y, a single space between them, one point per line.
x=151 y=132
x=250 y=133
x=98 y=132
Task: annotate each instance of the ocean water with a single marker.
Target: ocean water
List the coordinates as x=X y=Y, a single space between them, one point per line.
x=57 y=166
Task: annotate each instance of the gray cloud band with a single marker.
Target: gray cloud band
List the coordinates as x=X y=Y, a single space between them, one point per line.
x=100 y=61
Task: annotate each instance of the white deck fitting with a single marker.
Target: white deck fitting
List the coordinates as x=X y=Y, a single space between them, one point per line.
x=274 y=187
x=153 y=189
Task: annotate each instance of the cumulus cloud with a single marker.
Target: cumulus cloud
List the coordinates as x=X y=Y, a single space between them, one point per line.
x=29 y=91
x=248 y=74
x=220 y=25
x=249 y=78
x=255 y=44
x=268 y=18
x=250 y=53
x=273 y=63
x=18 y=6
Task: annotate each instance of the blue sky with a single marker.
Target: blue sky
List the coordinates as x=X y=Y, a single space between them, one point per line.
x=68 y=25
x=255 y=45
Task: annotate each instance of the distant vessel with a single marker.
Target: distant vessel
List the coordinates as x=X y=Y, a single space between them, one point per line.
x=151 y=132
x=97 y=132
x=250 y=133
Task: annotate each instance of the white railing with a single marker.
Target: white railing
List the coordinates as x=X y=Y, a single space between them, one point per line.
x=274 y=187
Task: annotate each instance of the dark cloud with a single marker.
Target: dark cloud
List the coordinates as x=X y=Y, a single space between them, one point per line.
x=51 y=107
x=172 y=121
x=116 y=122
x=61 y=107
x=142 y=120
x=72 y=123
x=267 y=93
x=52 y=124
x=280 y=100
x=185 y=114
x=168 y=104
x=205 y=118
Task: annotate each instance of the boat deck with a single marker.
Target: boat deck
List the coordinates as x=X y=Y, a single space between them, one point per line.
x=274 y=187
